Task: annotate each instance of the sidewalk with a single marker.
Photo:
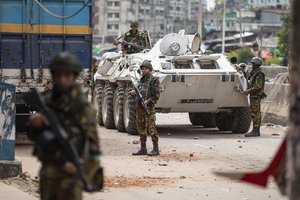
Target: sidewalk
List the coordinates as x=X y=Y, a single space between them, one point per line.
x=11 y=193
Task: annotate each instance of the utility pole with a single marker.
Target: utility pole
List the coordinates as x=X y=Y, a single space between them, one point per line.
x=223 y=27
x=104 y=22
x=293 y=150
x=186 y=11
x=240 y=22
x=200 y=13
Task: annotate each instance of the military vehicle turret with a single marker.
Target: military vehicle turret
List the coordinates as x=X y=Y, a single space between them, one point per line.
x=203 y=84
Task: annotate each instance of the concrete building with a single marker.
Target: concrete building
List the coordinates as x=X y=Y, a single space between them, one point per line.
x=269 y=3
x=270 y=20
x=193 y=9
x=152 y=15
x=113 y=17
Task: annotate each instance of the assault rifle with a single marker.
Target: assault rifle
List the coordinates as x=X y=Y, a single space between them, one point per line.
x=131 y=45
x=128 y=44
x=140 y=95
x=35 y=99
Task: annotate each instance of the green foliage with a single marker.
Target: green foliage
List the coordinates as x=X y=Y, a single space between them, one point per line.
x=274 y=61
x=243 y=55
x=283 y=37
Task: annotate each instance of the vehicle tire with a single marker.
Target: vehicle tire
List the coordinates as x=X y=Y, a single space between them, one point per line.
x=107 y=108
x=195 y=119
x=22 y=116
x=205 y=119
x=119 y=108
x=130 y=114
x=99 y=89
x=224 y=121
x=208 y=120
x=241 y=120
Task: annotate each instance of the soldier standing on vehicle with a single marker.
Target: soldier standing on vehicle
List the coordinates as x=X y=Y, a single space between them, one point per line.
x=149 y=88
x=256 y=91
x=59 y=177
x=135 y=40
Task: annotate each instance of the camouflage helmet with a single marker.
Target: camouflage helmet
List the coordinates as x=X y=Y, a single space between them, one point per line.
x=65 y=61
x=257 y=60
x=134 y=23
x=146 y=63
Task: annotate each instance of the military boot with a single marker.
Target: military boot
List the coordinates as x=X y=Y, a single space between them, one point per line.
x=142 y=151
x=254 y=133
x=155 y=151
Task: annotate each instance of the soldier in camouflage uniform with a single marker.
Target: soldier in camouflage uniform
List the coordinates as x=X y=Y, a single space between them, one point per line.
x=256 y=91
x=149 y=87
x=136 y=39
x=59 y=179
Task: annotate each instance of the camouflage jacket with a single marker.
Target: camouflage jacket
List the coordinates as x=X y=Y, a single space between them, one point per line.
x=149 y=87
x=78 y=118
x=137 y=38
x=257 y=83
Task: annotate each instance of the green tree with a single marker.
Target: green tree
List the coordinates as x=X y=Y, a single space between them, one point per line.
x=243 y=55
x=283 y=38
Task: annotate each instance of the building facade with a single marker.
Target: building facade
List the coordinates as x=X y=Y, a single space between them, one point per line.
x=269 y=3
x=113 y=18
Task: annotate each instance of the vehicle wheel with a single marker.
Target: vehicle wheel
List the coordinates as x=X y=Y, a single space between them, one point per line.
x=22 y=116
x=205 y=119
x=130 y=114
x=99 y=89
x=107 y=110
x=119 y=108
x=241 y=121
x=208 y=120
x=224 y=121
x=195 y=119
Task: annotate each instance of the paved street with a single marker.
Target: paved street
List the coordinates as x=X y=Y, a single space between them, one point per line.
x=185 y=168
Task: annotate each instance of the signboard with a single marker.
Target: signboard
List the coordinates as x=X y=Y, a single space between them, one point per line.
x=7 y=121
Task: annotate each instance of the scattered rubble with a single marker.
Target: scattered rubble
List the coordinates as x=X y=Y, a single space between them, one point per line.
x=179 y=157
x=25 y=183
x=122 y=181
x=136 y=142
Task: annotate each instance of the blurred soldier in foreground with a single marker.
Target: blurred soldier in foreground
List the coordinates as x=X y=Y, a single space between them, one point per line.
x=145 y=114
x=59 y=179
x=256 y=91
x=134 y=41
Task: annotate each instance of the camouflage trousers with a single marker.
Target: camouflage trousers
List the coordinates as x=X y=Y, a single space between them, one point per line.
x=146 y=124
x=255 y=111
x=59 y=187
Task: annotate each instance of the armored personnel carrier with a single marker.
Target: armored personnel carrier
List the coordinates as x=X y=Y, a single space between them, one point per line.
x=203 y=84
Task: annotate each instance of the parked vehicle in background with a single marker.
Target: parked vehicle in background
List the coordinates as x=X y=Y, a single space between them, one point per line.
x=31 y=33
x=203 y=84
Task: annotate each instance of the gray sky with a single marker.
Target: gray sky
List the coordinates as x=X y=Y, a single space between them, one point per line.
x=210 y=3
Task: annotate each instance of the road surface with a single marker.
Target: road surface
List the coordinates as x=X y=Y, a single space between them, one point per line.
x=189 y=156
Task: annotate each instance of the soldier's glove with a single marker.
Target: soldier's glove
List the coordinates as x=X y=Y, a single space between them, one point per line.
x=38 y=121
